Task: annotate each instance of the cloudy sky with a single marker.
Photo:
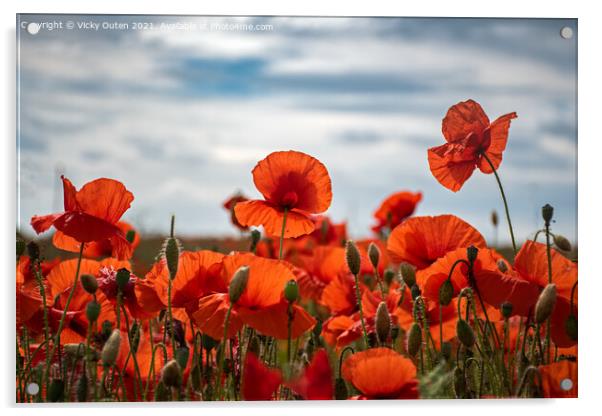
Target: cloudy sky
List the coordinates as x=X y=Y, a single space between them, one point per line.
x=182 y=116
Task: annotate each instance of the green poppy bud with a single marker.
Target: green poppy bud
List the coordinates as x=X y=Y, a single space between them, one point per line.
x=238 y=284
x=465 y=333
x=545 y=304
x=547 y=212
x=373 y=254
x=92 y=311
x=383 y=322
x=506 y=309
x=562 y=243
x=389 y=276
x=494 y=218
x=414 y=339
x=130 y=236
x=353 y=257
x=255 y=237
x=408 y=274
x=446 y=292
x=172 y=256
x=110 y=350
x=415 y=292
x=171 y=375
x=89 y=283
x=471 y=254
x=208 y=342
x=122 y=277
x=81 y=388
x=502 y=266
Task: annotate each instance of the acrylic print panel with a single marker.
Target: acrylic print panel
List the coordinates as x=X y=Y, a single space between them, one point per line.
x=295 y=208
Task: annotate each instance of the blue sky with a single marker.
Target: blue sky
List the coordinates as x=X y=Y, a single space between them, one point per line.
x=181 y=117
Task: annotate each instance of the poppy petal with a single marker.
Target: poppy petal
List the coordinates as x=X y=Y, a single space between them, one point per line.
x=104 y=198
x=316 y=381
x=256 y=213
x=210 y=316
x=259 y=382
x=498 y=136
x=449 y=167
x=273 y=321
x=462 y=119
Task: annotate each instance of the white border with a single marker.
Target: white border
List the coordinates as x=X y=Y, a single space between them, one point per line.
x=589 y=188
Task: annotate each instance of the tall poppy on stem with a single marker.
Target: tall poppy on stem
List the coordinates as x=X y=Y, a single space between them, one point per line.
x=294 y=186
x=472 y=141
x=394 y=209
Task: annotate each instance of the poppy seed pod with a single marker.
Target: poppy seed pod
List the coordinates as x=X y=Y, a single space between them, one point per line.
x=171 y=375
x=562 y=242
x=255 y=237
x=352 y=255
x=446 y=292
x=502 y=266
x=340 y=389
x=408 y=274
x=122 y=277
x=374 y=254
x=172 y=256
x=238 y=283
x=89 y=283
x=33 y=250
x=571 y=327
x=182 y=355
x=110 y=350
x=383 y=322
x=21 y=246
x=545 y=304
x=92 y=311
x=81 y=388
x=506 y=309
x=465 y=333
x=494 y=218
x=414 y=339
x=547 y=212
x=471 y=254
x=130 y=236
x=291 y=291
x=161 y=392
x=208 y=342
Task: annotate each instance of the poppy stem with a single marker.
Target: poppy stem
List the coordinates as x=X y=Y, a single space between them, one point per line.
x=38 y=275
x=222 y=353
x=57 y=338
x=289 y=332
x=171 y=324
x=359 y=305
x=546 y=352
x=282 y=233
x=499 y=183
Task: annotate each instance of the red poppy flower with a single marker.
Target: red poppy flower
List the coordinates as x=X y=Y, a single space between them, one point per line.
x=381 y=373
x=259 y=382
x=396 y=208
x=420 y=241
x=289 y=181
x=316 y=381
x=95 y=249
x=261 y=306
x=230 y=203
x=326 y=263
x=469 y=136
x=559 y=379
x=91 y=214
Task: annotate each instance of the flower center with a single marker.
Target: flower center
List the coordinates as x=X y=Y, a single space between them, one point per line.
x=289 y=199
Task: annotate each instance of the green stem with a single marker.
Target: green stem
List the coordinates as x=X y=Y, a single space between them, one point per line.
x=499 y=183
x=222 y=352
x=289 y=332
x=57 y=338
x=282 y=233
x=170 y=315
x=549 y=256
x=359 y=305
x=38 y=274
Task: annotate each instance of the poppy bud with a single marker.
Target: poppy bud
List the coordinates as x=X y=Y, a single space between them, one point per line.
x=446 y=292
x=171 y=375
x=317 y=330
x=340 y=389
x=122 y=277
x=181 y=356
x=388 y=277
x=408 y=274
x=383 y=322
x=135 y=332
x=415 y=292
x=21 y=246
x=465 y=333
x=195 y=377
x=471 y=254
x=92 y=311
x=130 y=235
x=172 y=256
x=494 y=218
x=374 y=254
x=89 y=283
x=562 y=242
x=81 y=388
x=208 y=342
x=73 y=350
x=255 y=237
x=395 y=330
x=547 y=212
x=238 y=283
x=352 y=255
x=56 y=391
x=33 y=249
x=545 y=304
x=414 y=339
x=161 y=392
x=110 y=350
x=506 y=309
x=291 y=291
x=571 y=327
x=502 y=266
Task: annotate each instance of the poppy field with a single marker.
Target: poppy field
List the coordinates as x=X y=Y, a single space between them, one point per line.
x=295 y=309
